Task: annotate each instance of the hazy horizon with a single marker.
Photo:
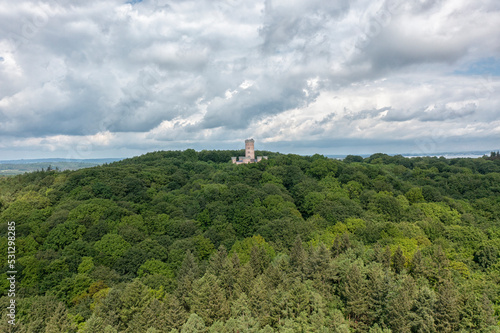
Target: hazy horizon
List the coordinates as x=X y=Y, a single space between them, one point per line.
x=457 y=154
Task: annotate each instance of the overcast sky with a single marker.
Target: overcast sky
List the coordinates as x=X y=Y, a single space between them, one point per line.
x=90 y=79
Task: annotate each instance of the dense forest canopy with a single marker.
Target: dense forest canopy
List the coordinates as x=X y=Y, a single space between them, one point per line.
x=188 y=242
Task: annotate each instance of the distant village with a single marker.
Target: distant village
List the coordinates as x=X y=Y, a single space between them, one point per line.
x=249 y=154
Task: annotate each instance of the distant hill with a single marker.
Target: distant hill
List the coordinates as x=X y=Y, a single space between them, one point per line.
x=448 y=155
x=15 y=167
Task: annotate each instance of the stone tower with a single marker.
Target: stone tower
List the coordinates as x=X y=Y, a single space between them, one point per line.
x=249 y=149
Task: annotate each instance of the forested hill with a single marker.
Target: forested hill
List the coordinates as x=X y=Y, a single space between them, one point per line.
x=188 y=242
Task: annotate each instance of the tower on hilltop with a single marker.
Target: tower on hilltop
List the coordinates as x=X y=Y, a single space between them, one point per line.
x=249 y=154
x=249 y=149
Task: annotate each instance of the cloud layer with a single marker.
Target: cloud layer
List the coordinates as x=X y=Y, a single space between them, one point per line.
x=94 y=78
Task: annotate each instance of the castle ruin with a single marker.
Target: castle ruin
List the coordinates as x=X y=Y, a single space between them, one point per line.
x=249 y=154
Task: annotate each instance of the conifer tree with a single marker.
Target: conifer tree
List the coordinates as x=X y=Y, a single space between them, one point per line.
x=240 y=307
x=42 y=308
x=241 y=324
x=259 y=259
x=336 y=247
x=341 y=244
x=134 y=298
x=447 y=308
x=470 y=311
x=194 y=324
x=488 y=320
x=399 y=305
x=318 y=264
x=386 y=257
x=298 y=299
x=108 y=310
x=111 y=329
x=189 y=266
x=298 y=257
x=259 y=300
x=356 y=295
x=377 y=253
x=94 y=325
x=398 y=261
x=235 y=260
x=219 y=327
x=175 y=315
x=241 y=317
x=422 y=312
x=217 y=261
x=337 y=323
x=288 y=325
x=59 y=322
x=379 y=284
x=208 y=300
x=476 y=313
x=245 y=278
x=6 y=327
x=276 y=273
x=152 y=316
x=267 y=329
x=441 y=261
x=377 y=329
x=417 y=267
x=228 y=276
x=187 y=274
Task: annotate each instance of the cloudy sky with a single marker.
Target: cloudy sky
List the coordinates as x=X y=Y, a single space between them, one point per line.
x=90 y=79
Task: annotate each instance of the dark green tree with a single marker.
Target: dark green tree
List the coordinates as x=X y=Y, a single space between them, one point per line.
x=398 y=261
x=260 y=300
x=152 y=316
x=59 y=322
x=194 y=324
x=298 y=257
x=379 y=283
x=422 y=311
x=400 y=302
x=134 y=299
x=447 y=308
x=207 y=299
x=341 y=244
x=486 y=256
x=217 y=261
x=259 y=259
x=417 y=266
x=188 y=273
x=355 y=293
x=175 y=314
